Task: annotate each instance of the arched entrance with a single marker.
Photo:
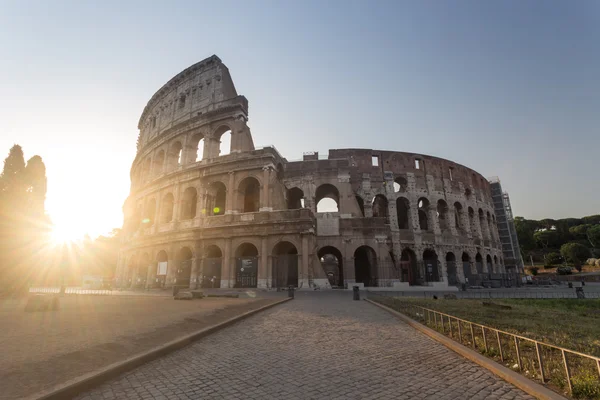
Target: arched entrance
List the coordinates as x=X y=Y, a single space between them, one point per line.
x=184 y=271
x=408 y=267
x=211 y=268
x=479 y=264
x=451 y=269
x=246 y=271
x=365 y=266
x=285 y=265
x=466 y=262
x=142 y=271
x=161 y=268
x=332 y=263
x=490 y=266
x=430 y=260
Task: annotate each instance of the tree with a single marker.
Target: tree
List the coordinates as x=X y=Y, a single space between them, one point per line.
x=547 y=238
x=593 y=235
x=575 y=253
x=553 y=258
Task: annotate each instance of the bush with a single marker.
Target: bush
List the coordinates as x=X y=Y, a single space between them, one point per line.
x=534 y=270
x=553 y=259
x=564 y=271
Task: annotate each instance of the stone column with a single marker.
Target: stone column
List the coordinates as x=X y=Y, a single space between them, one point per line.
x=265 y=196
x=263 y=267
x=229 y=201
x=303 y=275
x=194 y=273
x=434 y=224
x=227 y=268
x=176 y=203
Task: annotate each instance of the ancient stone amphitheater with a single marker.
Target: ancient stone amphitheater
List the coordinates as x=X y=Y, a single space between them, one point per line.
x=208 y=209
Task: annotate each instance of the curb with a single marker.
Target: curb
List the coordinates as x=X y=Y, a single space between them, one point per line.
x=88 y=381
x=527 y=385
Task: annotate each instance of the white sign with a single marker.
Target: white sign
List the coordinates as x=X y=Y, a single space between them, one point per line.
x=162 y=268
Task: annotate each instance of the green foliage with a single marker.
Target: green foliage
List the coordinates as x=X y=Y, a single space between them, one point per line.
x=586 y=386
x=534 y=270
x=564 y=271
x=553 y=258
x=593 y=235
x=575 y=253
x=547 y=238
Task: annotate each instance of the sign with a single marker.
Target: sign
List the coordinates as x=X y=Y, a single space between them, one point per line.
x=162 y=268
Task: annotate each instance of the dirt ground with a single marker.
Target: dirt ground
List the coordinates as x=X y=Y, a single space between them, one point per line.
x=42 y=349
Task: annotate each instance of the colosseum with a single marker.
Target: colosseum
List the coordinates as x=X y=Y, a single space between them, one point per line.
x=207 y=209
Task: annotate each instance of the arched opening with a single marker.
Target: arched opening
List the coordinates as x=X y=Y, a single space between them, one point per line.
x=482 y=223
x=285 y=265
x=246 y=272
x=423 y=205
x=149 y=213
x=365 y=266
x=188 y=205
x=400 y=184
x=490 y=226
x=141 y=271
x=458 y=216
x=158 y=163
x=430 y=260
x=408 y=267
x=361 y=205
x=211 y=267
x=497 y=267
x=146 y=169
x=442 y=214
x=468 y=193
x=472 y=221
x=328 y=198
x=249 y=195
x=184 y=270
x=451 y=268
x=295 y=198
x=380 y=207
x=402 y=212
x=166 y=208
x=175 y=154
x=225 y=143
x=215 y=198
x=490 y=265
x=161 y=269
x=479 y=264
x=466 y=260
x=332 y=263
x=197 y=144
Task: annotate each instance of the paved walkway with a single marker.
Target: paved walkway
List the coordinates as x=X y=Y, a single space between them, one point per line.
x=318 y=346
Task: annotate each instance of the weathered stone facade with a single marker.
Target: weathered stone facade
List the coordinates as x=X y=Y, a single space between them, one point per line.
x=250 y=218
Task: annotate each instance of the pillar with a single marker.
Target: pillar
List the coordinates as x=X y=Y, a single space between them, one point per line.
x=230 y=194
x=227 y=267
x=194 y=273
x=265 y=198
x=263 y=269
x=303 y=275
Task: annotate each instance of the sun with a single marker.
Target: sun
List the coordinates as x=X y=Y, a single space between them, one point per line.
x=62 y=234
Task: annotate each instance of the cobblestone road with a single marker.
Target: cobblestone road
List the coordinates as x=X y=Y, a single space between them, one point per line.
x=318 y=346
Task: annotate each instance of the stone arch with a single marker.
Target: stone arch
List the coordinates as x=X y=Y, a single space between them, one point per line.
x=184 y=266
x=174 y=157
x=400 y=184
x=166 y=208
x=403 y=213
x=423 y=204
x=249 y=195
x=466 y=262
x=332 y=263
x=295 y=198
x=246 y=271
x=211 y=267
x=380 y=207
x=189 y=202
x=216 y=197
x=458 y=216
x=471 y=213
x=451 y=268
x=479 y=263
x=158 y=163
x=408 y=267
x=197 y=144
x=327 y=198
x=223 y=134
x=365 y=266
x=361 y=205
x=430 y=260
x=490 y=265
x=442 y=214
x=285 y=265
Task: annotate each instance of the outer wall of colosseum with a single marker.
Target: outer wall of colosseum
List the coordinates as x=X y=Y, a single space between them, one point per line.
x=208 y=209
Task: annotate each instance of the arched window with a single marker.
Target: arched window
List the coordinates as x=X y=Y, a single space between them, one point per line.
x=174 y=158
x=188 y=205
x=295 y=198
x=159 y=162
x=328 y=198
x=482 y=223
x=361 y=205
x=216 y=197
x=166 y=208
x=423 y=205
x=442 y=214
x=197 y=145
x=400 y=184
x=249 y=195
x=380 y=207
x=458 y=216
x=472 y=220
x=225 y=143
x=402 y=211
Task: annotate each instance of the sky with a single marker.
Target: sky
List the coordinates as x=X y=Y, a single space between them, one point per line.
x=508 y=88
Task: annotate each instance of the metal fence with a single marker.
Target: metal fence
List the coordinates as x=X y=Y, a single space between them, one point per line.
x=490 y=294
x=70 y=290
x=563 y=368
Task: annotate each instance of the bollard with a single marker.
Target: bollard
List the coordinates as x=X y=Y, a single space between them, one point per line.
x=355 y=292
x=291 y=292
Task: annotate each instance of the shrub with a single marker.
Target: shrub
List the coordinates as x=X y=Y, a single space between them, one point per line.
x=553 y=259
x=575 y=253
x=533 y=270
x=564 y=271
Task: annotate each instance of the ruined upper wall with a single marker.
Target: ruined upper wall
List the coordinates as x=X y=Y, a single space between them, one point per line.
x=189 y=94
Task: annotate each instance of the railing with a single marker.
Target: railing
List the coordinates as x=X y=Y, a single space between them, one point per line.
x=578 y=372
x=70 y=290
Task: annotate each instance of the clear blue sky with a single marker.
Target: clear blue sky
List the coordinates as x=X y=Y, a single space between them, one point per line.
x=509 y=88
